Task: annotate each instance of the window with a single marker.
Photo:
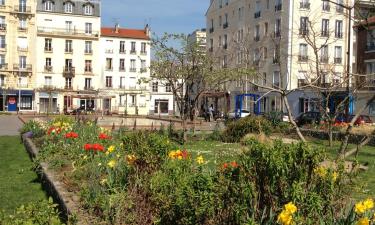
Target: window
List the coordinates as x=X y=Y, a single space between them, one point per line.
x=68 y=46
x=143 y=66
x=325 y=28
x=2 y=2
x=88 y=28
x=133 y=65
x=278 y=28
x=68 y=26
x=88 y=83
x=122 y=46
x=133 y=100
x=133 y=50
x=48 y=65
x=48 y=5
x=257 y=33
x=225 y=25
x=257 y=9
x=108 y=81
x=22 y=43
x=324 y=54
x=87 y=9
x=278 y=5
x=326 y=6
x=338 y=29
x=370 y=40
x=303 y=57
x=22 y=23
x=276 y=79
x=2 y=60
x=155 y=87
x=305 y=4
x=122 y=82
x=88 y=66
x=68 y=7
x=2 y=41
x=109 y=46
x=265 y=29
x=276 y=54
x=220 y=21
x=264 y=79
x=225 y=41
x=220 y=44
x=168 y=87
x=48 y=44
x=68 y=65
x=339 y=6
x=304 y=27
x=48 y=80
x=3 y=25
x=68 y=82
x=88 y=47
x=108 y=64
x=143 y=48
x=2 y=80
x=122 y=65
x=338 y=54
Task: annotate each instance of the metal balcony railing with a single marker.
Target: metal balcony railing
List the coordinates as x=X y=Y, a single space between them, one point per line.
x=69 y=71
x=303 y=31
x=107 y=68
x=303 y=58
x=22 y=9
x=133 y=70
x=338 y=60
x=122 y=51
x=22 y=67
x=4 y=66
x=48 y=68
x=122 y=69
x=109 y=51
x=324 y=59
x=3 y=27
x=324 y=33
x=48 y=49
x=66 y=32
x=304 y=5
x=338 y=34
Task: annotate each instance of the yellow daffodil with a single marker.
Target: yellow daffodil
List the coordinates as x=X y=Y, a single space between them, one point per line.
x=290 y=207
x=321 y=172
x=111 y=148
x=363 y=221
x=360 y=208
x=284 y=218
x=111 y=163
x=200 y=159
x=172 y=154
x=335 y=175
x=368 y=203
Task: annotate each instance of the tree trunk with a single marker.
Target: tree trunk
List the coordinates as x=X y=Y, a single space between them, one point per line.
x=300 y=135
x=356 y=149
x=330 y=135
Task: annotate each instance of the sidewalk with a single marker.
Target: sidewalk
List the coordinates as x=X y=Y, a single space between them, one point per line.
x=9 y=125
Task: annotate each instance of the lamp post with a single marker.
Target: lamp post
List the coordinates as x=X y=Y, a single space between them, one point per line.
x=349 y=9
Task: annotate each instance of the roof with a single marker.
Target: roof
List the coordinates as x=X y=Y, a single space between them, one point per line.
x=124 y=33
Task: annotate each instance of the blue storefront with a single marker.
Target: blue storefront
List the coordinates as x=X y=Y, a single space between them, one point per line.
x=10 y=100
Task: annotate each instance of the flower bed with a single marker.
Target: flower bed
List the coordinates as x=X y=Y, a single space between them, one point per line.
x=144 y=178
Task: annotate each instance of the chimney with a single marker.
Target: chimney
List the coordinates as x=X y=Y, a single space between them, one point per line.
x=117 y=25
x=148 y=30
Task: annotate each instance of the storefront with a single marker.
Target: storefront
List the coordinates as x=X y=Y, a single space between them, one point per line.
x=9 y=100
x=48 y=102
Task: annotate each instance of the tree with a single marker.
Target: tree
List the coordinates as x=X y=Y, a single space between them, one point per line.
x=187 y=69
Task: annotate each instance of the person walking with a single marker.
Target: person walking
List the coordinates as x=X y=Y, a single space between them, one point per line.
x=211 y=111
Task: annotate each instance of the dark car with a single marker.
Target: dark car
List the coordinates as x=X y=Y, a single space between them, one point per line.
x=308 y=118
x=362 y=119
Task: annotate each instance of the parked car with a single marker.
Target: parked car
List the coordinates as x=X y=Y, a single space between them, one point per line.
x=362 y=119
x=285 y=117
x=232 y=115
x=308 y=118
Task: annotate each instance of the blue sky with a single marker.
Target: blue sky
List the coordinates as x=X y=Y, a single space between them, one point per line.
x=172 y=16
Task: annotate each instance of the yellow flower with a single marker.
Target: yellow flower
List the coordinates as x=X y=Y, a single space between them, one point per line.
x=359 y=208
x=85 y=157
x=321 y=171
x=179 y=157
x=111 y=148
x=290 y=208
x=130 y=159
x=200 y=159
x=103 y=181
x=335 y=175
x=111 y=163
x=363 y=221
x=368 y=203
x=284 y=218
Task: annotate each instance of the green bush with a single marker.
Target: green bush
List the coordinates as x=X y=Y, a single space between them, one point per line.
x=33 y=126
x=251 y=124
x=41 y=213
x=275 y=117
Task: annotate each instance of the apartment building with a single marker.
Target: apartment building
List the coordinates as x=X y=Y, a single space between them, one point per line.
x=162 y=99
x=17 y=55
x=271 y=37
x=125 y=60
x=67 y=46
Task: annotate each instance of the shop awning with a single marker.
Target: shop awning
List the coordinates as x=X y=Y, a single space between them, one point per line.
x=47 y=95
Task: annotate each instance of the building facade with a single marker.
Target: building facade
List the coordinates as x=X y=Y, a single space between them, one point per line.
x=67 y=46
x=272 y=38
x=162 y=99
x=17 y=55
x=125 y=73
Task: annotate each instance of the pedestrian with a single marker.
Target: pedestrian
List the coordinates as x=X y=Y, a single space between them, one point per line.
x=211 y=112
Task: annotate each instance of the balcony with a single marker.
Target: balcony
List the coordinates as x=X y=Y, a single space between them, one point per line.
x=122 y=51
x=143 y=70
x=324 y=33
x=88 y=70
x=109 y=68
x=63 y=32
x=69 y=71
x=133 y=52
x=109 y=51
x=303 y=58
x=88 y=51
x=324 y=59
x=143 y=52
x=22 y=29
x=22 y=49
x=89 y=88
x=338 y=60
x=3 y=27
x=304 y=5
x=225 y=25
x=278 y=7
x=4 y=66
x=133 y=70
x=121 y=69
x=69 y=50
x=22 y=67
x=48 y=87
x=48 y=49
x=22 y=9
x=257 y=38
x=70 y=87
x=212 y=30
x=338 y=34
x=303 y=31
x=257 y=14
x=48 y=69
x=339 y=9
x=23 y=85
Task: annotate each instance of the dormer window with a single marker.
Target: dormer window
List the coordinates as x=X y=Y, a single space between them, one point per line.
x=87 y=9
x=68 y=7
x=48 y=5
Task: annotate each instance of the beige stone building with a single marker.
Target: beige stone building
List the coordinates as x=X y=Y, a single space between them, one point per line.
x=17 y=55
x=272 y=37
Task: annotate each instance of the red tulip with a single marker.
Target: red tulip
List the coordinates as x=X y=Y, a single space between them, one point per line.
x=88 y=147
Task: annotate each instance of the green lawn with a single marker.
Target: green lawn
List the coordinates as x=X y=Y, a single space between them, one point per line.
x=18 y=183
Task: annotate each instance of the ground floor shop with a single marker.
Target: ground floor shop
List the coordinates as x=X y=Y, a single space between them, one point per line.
x=162 y=105
x=16 y=100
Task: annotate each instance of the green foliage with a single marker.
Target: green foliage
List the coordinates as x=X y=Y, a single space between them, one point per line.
x=275 y=117
x=41 y=213
x=250 y=124
x=33 y=126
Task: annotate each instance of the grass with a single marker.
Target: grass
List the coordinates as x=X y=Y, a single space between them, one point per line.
x=18 y=183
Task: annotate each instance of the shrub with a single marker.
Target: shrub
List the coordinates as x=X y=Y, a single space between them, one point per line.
x=275 y=117
x=34 y=127
x=251 y=124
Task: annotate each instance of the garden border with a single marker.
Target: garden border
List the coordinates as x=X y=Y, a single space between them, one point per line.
x=66 y=200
